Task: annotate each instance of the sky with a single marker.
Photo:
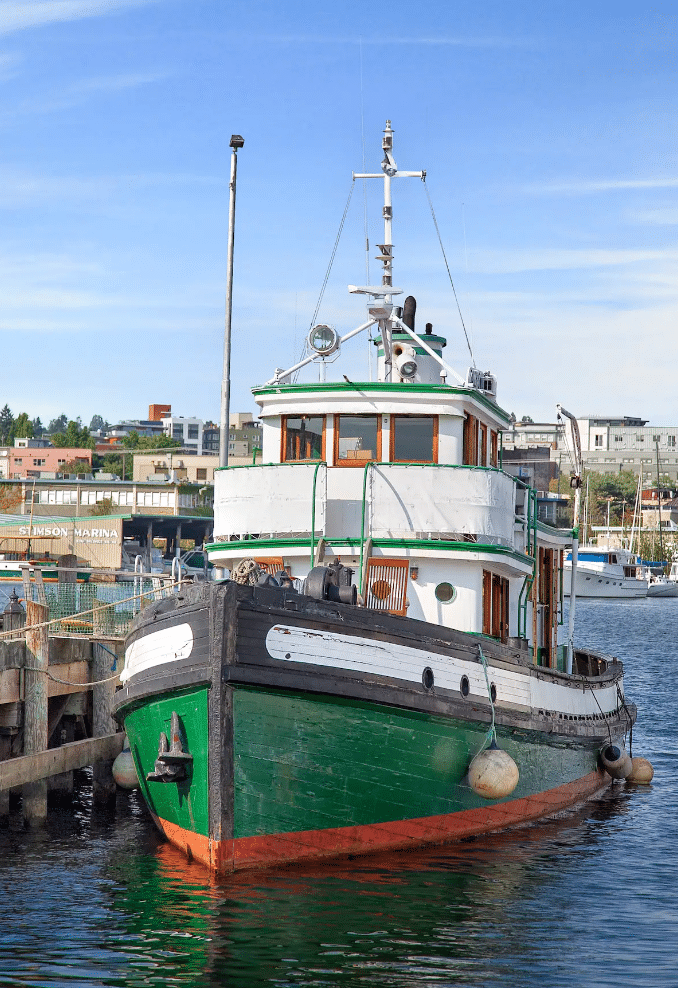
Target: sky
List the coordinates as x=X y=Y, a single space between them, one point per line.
x=547 y=131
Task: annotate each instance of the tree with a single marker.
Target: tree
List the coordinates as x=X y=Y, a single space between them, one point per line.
x=38 y=427
x=10 y=498
x=6 y=426
x=103 y=507
x=98 y=424
x=58 y=424
x=527 y=420
x=75 y=466
x=134 y=441
x=76 y=436
x=23 y=427
x=113 y=463
x=617 y=489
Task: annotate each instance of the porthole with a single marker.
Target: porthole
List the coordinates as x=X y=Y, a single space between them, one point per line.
x=427 y=678
x=464 y=686
x=445 y=593
x=493 y=693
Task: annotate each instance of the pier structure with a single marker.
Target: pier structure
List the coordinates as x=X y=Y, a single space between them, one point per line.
x=61 y=654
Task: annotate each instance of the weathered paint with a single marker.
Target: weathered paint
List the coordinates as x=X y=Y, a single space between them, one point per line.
x=276 y=849
x=185 y=804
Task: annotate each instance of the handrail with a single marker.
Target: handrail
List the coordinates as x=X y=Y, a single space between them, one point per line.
x=320 y=463
x=367 y=466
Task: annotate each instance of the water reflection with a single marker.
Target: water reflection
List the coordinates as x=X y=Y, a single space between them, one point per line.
x=435 y=916
x=585 y=899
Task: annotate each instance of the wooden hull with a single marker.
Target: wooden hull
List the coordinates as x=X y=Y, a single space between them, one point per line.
x=315 y=731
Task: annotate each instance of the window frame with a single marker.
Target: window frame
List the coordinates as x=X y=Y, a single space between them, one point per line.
x=391 y=438
x=357 y=462
x=283 y=439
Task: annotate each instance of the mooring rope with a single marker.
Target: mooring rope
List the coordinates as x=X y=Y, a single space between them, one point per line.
x=492 y=733
x=68 y=682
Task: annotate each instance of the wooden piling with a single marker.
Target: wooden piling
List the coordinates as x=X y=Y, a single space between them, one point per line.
x=104 y=787
x=35 y=707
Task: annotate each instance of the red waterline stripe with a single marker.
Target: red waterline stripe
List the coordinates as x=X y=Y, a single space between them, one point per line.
x=305 y=845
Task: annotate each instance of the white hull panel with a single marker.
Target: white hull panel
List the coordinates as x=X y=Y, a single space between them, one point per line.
x=590 y=583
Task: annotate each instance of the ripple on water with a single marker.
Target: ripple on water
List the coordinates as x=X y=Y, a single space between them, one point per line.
x=585 y=899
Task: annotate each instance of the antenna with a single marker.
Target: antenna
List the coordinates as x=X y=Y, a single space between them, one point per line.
x=381 y=312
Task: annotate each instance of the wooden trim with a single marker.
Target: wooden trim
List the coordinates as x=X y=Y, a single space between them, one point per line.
x=494 y=448
x=386 y=585
x=470 y=442
x=483 y=444
x=487 y=602
x=271 y=564
x=495 y=606
x=434 y=443
x=358 y=461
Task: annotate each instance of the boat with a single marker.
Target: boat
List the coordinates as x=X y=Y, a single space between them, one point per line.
x=17 y=557
x=383 y=662
x=605 y=572
x=661 y=585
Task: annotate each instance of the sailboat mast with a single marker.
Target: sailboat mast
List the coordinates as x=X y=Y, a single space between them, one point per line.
x=659 y=508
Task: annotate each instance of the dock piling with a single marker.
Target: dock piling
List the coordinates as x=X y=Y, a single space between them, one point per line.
x=35 y=707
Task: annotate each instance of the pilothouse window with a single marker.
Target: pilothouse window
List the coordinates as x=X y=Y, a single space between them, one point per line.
x=357 y=439
x=303 y=437
x=414 y=438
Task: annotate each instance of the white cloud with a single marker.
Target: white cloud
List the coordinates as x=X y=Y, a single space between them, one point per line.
x=562 y=259
x=591 y=186
x=80 y=92
x=17 y=15
x=26 y=189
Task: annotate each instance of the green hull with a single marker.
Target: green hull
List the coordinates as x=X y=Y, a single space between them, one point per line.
x=311 y=763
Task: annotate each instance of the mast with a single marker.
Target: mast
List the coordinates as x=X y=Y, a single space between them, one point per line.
x=659 y=508
x=575 y=482
x=383 y=310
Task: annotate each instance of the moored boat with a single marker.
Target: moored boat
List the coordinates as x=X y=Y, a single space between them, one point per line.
x=387 y=665
x=605 y=572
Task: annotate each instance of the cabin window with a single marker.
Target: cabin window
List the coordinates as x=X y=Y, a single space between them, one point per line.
x=414 y=439
x=357 y=439
x=495 y=606
x=303 y=437
x=445 y=593
x=494 y=448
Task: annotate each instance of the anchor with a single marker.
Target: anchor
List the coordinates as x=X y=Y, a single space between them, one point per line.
x=172 y=762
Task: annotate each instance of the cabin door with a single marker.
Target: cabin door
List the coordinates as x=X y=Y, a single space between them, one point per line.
x=545 y=608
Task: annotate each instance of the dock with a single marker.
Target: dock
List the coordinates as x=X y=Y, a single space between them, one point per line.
x=61 y=655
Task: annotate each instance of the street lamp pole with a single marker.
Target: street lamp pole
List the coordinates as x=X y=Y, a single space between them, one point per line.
x=235 y=143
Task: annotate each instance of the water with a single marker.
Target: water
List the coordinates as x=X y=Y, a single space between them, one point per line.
x=584 y=900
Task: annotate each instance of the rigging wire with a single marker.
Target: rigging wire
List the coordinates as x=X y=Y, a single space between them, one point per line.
x=333 y=255
x=449 y=273
x=328 y=272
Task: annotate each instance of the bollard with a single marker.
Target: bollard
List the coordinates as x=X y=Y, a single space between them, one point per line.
x=35 y=707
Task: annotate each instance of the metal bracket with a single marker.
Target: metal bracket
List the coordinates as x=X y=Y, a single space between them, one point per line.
x=172 y=762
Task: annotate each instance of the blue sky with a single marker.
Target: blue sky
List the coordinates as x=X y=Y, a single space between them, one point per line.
x=548 y=133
